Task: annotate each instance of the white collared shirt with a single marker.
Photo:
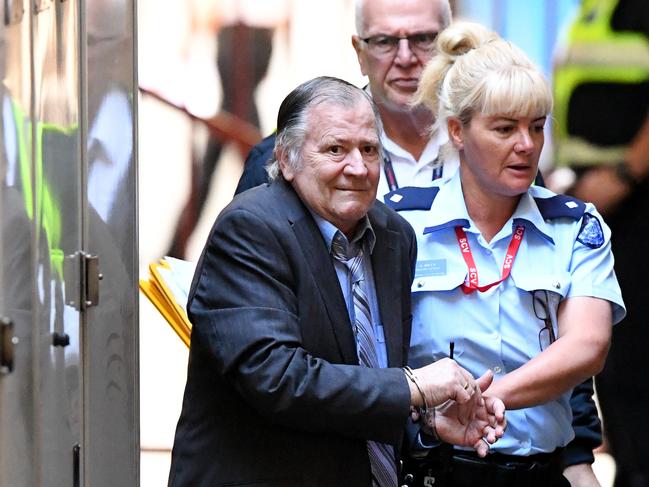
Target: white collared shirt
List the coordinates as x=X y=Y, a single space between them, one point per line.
x=411 y=172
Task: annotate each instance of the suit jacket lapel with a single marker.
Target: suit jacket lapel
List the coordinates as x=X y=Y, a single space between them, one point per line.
x=384 y=258
x=319 y=261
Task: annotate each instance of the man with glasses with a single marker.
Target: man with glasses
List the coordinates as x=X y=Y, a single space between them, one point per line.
x=393 y=43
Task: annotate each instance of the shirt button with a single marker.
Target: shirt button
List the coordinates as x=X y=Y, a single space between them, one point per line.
x=497 y=370
x=556 y=285
x=420 y=284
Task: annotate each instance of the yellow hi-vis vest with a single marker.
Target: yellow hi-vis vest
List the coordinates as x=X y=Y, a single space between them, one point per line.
x=594 y=53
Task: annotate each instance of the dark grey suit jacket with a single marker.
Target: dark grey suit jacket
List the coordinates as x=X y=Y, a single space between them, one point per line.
x=274 y=393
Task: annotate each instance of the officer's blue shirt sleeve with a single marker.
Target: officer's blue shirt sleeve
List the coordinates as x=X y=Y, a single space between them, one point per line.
x=563 y=253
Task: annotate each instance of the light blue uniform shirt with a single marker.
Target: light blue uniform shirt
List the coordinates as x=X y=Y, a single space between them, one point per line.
x=328 y=232
x=498 y=329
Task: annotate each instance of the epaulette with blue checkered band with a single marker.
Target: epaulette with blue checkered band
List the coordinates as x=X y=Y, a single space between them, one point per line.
x=560 y=206
x=411 y=198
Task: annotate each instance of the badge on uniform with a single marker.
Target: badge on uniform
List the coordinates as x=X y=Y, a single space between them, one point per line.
x=591 y=233
x=433 y=267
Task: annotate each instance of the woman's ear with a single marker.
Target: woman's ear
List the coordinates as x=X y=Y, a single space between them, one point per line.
x=455 y=132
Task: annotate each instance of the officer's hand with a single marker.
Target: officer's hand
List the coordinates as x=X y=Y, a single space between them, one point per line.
x=494 y=406
x=485 y=427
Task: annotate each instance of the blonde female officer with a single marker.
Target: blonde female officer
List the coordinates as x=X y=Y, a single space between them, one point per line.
x=510 y=277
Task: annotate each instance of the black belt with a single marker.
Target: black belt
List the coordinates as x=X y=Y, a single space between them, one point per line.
x=504 y=459
x=448 y=467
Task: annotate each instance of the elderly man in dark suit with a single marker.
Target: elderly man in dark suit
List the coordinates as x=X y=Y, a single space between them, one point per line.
x=295 y=371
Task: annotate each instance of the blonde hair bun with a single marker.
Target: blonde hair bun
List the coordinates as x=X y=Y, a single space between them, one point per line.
x=475 y=70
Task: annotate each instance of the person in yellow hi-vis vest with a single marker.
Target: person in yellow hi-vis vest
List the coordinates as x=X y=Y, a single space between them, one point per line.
x=601 y=84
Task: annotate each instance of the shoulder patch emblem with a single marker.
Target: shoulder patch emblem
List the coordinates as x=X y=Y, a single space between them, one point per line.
x=591 y=234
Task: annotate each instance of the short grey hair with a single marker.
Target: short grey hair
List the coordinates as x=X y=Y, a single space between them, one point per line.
x=445 y=15
x=292 y=118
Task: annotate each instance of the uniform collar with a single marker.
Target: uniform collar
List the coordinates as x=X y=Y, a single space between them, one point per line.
x=528 y=213
x=449 y=211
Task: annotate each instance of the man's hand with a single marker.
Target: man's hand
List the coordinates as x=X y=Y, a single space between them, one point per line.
x=486 y=425
x=444 y=380
x=581 y=475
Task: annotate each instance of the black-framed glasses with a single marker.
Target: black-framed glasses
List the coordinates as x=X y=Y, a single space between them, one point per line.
x=386 y=45
x=545 y=304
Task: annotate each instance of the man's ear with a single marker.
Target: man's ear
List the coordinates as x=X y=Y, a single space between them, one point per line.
x=357 y=43
x=455 y=132
x=284 y=167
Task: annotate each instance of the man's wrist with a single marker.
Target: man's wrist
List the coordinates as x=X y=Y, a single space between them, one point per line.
x=414 y=381
x=426 y=414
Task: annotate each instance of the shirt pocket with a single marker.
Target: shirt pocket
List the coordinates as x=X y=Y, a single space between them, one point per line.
x=446 y=282
x=557 y=282
x=434 y=301
x=543 y=293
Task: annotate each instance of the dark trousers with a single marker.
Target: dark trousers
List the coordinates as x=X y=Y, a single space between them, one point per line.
x=445 y=467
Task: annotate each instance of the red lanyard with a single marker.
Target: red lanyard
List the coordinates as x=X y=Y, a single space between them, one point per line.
x=471 y=282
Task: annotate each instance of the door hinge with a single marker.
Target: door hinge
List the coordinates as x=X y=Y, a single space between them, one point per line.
x=81 y=273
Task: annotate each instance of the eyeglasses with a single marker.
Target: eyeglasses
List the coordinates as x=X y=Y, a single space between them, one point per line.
x=385 y=45
x=545 y=305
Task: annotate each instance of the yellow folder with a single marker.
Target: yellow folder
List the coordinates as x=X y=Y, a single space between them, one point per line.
x=167 y=288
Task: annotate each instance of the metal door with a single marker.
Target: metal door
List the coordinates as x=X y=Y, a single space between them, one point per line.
x=68 y=340
x=111 y=380
x=17 y=256
x=58 y=189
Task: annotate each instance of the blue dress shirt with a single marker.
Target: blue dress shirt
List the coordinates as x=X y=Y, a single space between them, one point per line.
x=498 y=329
x=363 y=236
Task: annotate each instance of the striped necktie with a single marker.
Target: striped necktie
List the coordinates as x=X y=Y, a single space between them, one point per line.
x=382 y=462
